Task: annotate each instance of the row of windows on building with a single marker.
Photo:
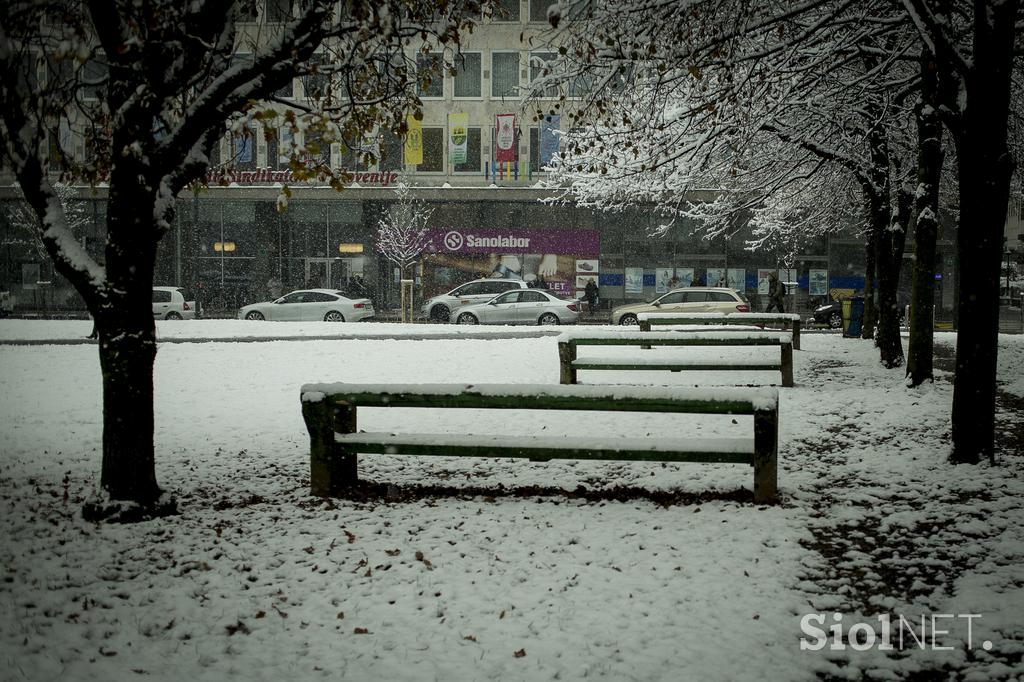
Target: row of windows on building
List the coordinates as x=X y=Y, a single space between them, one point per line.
x=281 y=11
x=503 y=11
x=387 y=152
x=509 y=71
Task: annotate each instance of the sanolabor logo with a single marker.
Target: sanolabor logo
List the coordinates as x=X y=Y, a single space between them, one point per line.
x=453 y=241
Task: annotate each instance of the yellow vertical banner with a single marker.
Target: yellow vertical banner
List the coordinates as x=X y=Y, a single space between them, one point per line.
x=414 y=141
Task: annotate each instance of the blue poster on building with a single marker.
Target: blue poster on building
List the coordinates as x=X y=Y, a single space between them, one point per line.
x=548 y=138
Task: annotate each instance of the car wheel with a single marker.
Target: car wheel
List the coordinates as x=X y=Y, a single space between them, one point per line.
x=467 y=318
x=440 y=313
x=835 y=320
x=548 y=318
x=334 y=316
x=254 y=315
x=628 y=319
x=173 y=316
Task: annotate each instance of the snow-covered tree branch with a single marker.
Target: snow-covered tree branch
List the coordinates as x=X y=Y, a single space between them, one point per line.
x=402 y=235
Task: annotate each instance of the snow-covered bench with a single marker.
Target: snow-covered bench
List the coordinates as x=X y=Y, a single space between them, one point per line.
x=786 y=321
x=570 y=363
x=330 y=414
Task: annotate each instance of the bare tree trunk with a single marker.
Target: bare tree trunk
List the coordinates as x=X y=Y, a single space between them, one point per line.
x=870 y=268
x=890 y=261
x=926 y=228
x=986 y=167
x=889 y=237
x=127 y=348
x=127 y=352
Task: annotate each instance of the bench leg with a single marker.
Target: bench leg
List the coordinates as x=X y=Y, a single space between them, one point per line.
x=787 y=365
x=566 y=356
x=766 y=453
x=332 y=468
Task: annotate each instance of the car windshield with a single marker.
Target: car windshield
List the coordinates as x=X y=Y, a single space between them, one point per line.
x=743 y=296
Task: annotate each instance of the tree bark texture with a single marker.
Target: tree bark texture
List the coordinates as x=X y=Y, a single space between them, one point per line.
x=870 y=267
x=889 y=236
x=926 y=228
x=985 y=168
x=127 y=334
x=890 y=261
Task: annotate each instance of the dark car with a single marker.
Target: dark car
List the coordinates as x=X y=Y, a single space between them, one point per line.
x=830 y=314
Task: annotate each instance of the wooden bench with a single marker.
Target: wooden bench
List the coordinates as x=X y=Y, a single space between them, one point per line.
x=785 y=321
x=331 y=419
x=570 y=364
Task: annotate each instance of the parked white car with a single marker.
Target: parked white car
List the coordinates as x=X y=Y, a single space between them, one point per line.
x=441 y=308
x=310 y=305
x=169 y=304
x=523 y=306
x=683 y=301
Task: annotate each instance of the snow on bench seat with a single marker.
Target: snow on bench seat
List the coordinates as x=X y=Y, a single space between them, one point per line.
x=743 y=317
x=624 y=397
x=786 y=320
x=597 y=337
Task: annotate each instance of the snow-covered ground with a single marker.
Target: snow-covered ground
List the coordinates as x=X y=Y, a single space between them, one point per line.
x=473 y=569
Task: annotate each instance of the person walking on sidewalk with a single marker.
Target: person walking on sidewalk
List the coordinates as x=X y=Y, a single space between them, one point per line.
x=776 y=294
x=590 y=293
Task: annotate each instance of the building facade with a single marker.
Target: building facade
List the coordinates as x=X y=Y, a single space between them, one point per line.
x=482 y=155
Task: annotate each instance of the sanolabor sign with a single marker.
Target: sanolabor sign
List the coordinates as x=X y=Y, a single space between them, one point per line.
x=507 y=242
x=580 y=242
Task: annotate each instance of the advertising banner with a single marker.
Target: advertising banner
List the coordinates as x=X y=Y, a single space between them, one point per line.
x=458 y=136
x=505 y=143
x=818 y=283
x=684 y=277
x=716 y=278
x=762 y=280
x=547 y=258
x=549 y=138
x=737 y=279
x=414 y=141
x=662 y=278
x=634 y=280
x=788 y=277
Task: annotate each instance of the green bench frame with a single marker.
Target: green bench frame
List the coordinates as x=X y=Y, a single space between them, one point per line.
x=570 y=364
x=786 y=321
x=330 y=413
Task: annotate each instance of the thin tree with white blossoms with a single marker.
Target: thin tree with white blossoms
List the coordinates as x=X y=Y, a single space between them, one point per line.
x=402 y=237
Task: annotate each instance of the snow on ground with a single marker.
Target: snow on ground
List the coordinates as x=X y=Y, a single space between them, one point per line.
x=638 y=572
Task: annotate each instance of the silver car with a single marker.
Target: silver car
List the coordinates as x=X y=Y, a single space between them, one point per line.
x=440 y=308
x=310 y=305
x=523 y=306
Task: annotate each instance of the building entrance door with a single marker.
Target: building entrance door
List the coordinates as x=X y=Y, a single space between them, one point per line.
x=322 y=273
x=330 y=273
